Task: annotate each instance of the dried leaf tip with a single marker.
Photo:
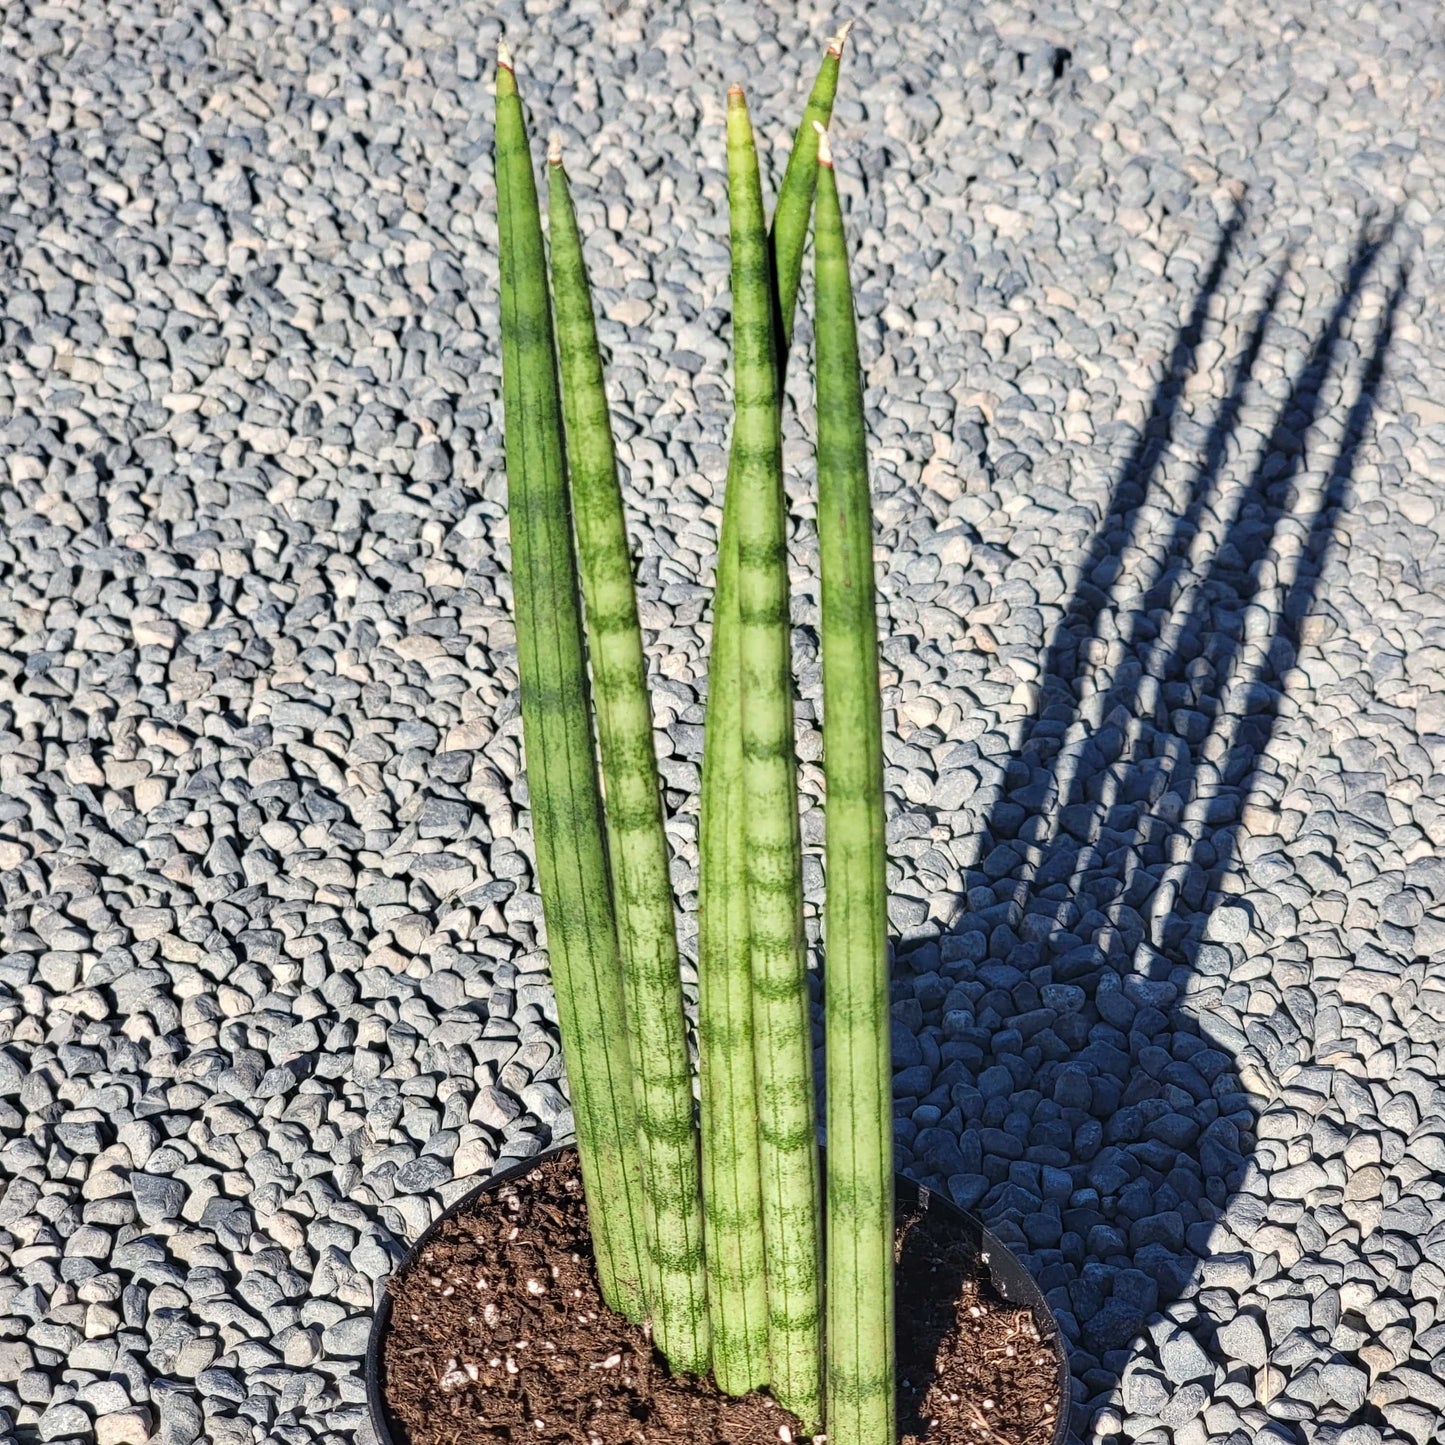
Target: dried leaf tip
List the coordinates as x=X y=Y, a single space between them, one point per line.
x=735 y=95
x=554 y=148
x=504 y=56
x=825 y=151
x=835 y=45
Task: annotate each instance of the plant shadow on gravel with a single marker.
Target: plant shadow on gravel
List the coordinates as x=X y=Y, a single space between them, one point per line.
x=1089 y=1102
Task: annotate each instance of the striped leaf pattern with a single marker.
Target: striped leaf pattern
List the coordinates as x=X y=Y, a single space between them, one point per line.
x=772 y=849
x=641 y=881
x=860 y=1351
x=795 y=195
x=567 y=824
x=732 y=1199
x=732 y=1184
x=725 y=1254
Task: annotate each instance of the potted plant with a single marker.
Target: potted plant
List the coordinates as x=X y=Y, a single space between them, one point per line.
x=669 y=1280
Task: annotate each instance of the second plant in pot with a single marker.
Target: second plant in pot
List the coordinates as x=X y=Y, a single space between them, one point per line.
x=707 y=1231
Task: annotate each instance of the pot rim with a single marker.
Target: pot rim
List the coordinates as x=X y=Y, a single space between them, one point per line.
x=1006 y=1273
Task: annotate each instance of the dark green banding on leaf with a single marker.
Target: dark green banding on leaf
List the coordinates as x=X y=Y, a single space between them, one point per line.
x=730 y=1145
x=795 y=194
x=782 y=1050
x=567 y=823
x=732 y=1184
x=859 y=1331
x=646 y=930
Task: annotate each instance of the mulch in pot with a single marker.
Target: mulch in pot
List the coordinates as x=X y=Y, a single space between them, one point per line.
x=498 y=1333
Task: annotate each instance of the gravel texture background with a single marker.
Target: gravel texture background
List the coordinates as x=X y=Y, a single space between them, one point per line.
x=1151 y=314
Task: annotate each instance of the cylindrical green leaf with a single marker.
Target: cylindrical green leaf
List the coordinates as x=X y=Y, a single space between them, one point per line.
x=732 y=1184
x=642 y=885
x=795 y=195
x=860 y=1354
x=773 y=854
x=567 y=824
x=732 y=1199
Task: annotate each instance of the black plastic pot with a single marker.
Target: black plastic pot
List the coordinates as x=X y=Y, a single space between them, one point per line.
x=1012 y=1281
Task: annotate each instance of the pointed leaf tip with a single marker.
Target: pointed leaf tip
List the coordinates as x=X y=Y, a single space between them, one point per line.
x=825 y=151
x=835 y=45
x=504 y=56
x=554 y=148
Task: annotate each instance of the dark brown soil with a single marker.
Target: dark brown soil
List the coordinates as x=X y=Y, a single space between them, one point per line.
x=498 y=1333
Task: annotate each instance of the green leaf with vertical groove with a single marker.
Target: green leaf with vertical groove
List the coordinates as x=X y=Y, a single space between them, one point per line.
x=795 y=195
x=643 y=900
x=732 y=1198
x=567 y=823
x=772 y=860
x=859 y=1331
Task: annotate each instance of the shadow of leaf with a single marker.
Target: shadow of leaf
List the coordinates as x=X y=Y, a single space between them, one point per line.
x=1093 y=1094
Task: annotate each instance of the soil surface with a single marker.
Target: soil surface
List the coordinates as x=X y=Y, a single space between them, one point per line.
x=499 y=1333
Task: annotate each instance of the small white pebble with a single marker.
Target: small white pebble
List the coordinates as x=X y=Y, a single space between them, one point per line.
x=785 y=1435
x=536 y=1287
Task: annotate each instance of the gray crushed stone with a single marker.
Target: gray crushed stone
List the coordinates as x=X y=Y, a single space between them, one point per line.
x=1150 y=311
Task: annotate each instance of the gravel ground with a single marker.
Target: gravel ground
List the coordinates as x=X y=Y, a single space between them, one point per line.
x=1156 y=375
